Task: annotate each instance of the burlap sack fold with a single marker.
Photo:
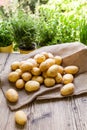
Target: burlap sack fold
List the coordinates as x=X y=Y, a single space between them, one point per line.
x=72 y=53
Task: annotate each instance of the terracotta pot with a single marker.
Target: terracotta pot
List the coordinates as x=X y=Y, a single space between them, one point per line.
x=7 y=49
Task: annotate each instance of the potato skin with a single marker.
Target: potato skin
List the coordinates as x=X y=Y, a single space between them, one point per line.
x=36 y=71
x=49 y=82
x=38 y=79
x=19 y=71
x=32 y=86
x=20 y=118
x=15 y=65
x=58 y=60
x=50 y=62
x=43 y=66
x=52 y=71
x=20 y=83
x=33 y=61
x=59 y=78
x=26 y=76
x=26 y=66
x=67 y=89
x=71 y=69
x=68 y=78
x=39 y=58
x=13 y=76
x=11 y=95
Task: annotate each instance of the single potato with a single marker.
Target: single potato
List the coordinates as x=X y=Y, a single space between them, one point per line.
x=50 y=62
x=11 y=95
x=15 y=65
x=58 y=60
x=50 y=55
x=68 y=78
x=59 y=78
x=49 y=82
x=32 y=86
x=26 y=76
x=36 y=71
x=52 y=71
x=20 y=118
x=71 y=69
x=20 y=83
x=60 y=69
x=33 y=61
x=67 y=89
x=19 y=71
x=27 y=66
x=43 y=66
x=38 y=79
x=45 y=54
x=13 y=76
x=44 y=74
x=39 y=58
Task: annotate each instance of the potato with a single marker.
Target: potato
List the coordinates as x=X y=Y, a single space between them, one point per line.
x=39 y=58
x=58 y=60
x=43 y=66
x=44 y=74
x=60 y=69
x=45 y=54
x=33 y=61
x=15 y=65
x=20 y=118
x=38 y=79
x=68 y=78
x=11 y=95
x=52 y=71
x=49 y=82
x=59 y=78
x=67 y=89
x=71 y=69
x=13 y=76
x=50 y=62
x=19 y=71
x=26 y=76
x=50 y=55
x=20 y=83
x=27 y=66
x=32 y=86
x=36 y=71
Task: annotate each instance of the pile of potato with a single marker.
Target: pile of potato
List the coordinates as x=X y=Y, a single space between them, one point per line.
x=43 y=68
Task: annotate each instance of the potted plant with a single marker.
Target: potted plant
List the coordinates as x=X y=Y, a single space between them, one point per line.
x=24 y=32
x=6 y=37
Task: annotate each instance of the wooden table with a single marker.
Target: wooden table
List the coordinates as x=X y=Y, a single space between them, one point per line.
x=65 y=114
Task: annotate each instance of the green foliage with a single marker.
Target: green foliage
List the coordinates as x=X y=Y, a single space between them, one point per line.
x=6 y=34
x=24 y=30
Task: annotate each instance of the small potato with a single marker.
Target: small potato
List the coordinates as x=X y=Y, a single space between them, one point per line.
x=43 y=66
x=32 y=86
x=45 y=54
x=33 y=61
x=36 y=71
x=19 y=71
x=20 y=118
x=71 y=69
x=50 y=62
x=68 y=78
x=60 y=69
x=50 y=55
x=38 y=79
x=11 y=95
x=13 y=76
x=49 y=82
x=58 y=60
x=15 y=65
x=59 y=78
x=44 y=74
x=27 y=66
x=26 y=76
x=20 y=83
x=67 y=89
x=52 y=71
x=39 y=58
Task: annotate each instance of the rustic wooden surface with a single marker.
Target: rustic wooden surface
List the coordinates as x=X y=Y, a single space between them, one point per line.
x=65 y=114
